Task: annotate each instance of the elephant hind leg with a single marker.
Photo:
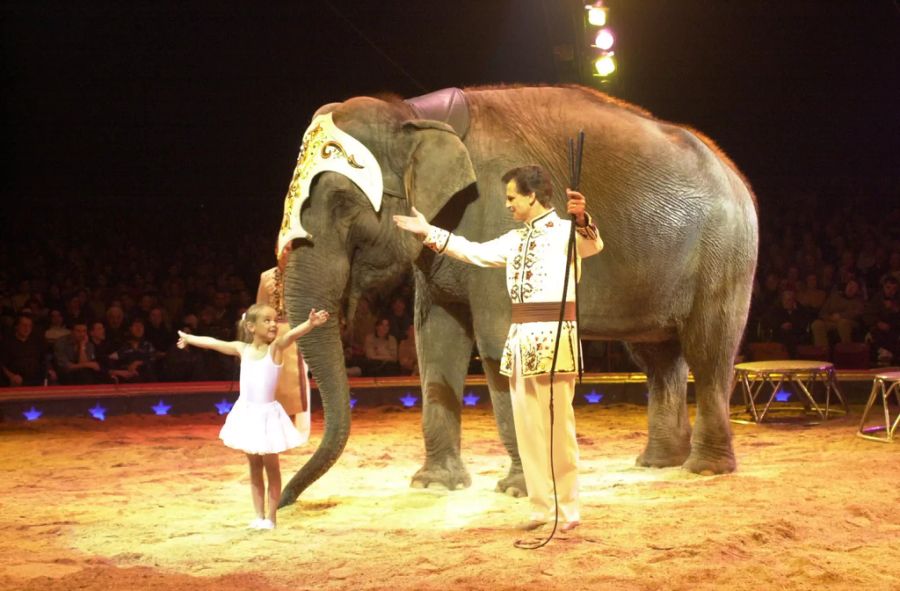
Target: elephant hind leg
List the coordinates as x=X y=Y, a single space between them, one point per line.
x=710 y=345
x=669 y=429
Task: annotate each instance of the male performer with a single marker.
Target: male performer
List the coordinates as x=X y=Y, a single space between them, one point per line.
x=534 y=257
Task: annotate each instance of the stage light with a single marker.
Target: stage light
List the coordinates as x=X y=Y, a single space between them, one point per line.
x=224 y=407
x=471 y=399
x=98 y=412
x=32 y=414
x=604 y=39
x=593 y=397
x=409 y=400
x=162 y=408
x=597 y=14
x=605 y=65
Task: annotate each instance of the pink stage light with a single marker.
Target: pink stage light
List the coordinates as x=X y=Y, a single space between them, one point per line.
x=604 y=39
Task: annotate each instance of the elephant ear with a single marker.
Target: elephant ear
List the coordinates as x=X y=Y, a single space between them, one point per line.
x=438 y=166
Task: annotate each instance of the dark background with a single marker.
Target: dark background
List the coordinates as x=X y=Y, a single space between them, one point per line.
x=176 y=105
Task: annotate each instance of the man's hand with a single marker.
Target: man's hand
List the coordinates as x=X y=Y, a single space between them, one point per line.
x=575 y=206
x=15 y=379
x=317 y=318
x=416 y=223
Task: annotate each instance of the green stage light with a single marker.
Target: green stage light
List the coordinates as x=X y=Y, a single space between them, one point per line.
x=597 y=14
x=605 y=65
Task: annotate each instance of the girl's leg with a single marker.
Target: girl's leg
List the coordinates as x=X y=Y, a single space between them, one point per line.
x=273 y=474
x=257 y=486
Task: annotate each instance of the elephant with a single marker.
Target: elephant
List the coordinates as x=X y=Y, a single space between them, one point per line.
x=678 y=219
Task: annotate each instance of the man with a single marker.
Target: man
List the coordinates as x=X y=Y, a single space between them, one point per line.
x=136 y=358
x=76 y=358
x=22 y=356
x=882 y=318
x=534 y=257
x=788 y=323
x=841 y=313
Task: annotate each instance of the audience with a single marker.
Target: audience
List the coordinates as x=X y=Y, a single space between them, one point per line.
x=98 y=305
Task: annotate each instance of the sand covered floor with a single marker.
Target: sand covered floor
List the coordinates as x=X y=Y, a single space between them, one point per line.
x=145 y=502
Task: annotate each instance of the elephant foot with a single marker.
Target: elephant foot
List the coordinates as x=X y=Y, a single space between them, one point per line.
x=708 y=466
x=660 y=456
x=450 y=474
x=513 y=485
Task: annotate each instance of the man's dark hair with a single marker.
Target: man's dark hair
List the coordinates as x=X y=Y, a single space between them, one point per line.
x=531 y=179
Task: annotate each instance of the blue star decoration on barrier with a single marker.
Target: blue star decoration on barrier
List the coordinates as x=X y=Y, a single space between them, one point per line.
x=162 y=408
x=471 y=399
x=593 y=397
x=98 y=412
x=409 y=400
x=353 y=403
x=782 y=396
x=224 y=407
x=32 y=414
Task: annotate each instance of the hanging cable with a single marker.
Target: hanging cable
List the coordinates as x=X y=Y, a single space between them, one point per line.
x=381 y=52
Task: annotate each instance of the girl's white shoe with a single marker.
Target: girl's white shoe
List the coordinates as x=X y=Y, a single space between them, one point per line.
x=261 y=524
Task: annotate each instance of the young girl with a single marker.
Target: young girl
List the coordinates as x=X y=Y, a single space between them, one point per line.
x=257 y=424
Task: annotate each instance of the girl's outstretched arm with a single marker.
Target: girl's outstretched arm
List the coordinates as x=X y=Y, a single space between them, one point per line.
x=234 y=348
x=315 y=319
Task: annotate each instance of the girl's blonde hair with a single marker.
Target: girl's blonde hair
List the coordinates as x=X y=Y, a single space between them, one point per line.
x=250 y=316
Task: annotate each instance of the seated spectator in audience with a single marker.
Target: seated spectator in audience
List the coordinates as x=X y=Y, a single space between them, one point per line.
x=381 y=351
x=788 y=323
x=34 y=308
x=22 y=295
x=75 y=314
x=406 y=352
x=157 y=331
x=75 y=358
x=102 y=350
x=22 y=356
x=57 y=328
x=827 y=279
x=841 y=313
x=400 y=318
x=894 y=265
x=115 y=326
x=135 y=360
x=810 y=296
x=882 y=318
x=184 y=365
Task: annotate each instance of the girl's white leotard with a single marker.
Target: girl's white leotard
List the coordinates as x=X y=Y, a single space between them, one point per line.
x=257 y=424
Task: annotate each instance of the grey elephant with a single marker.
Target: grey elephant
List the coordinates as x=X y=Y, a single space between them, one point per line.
x=674 y=281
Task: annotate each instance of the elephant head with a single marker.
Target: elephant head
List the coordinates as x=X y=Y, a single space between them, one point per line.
x=361 y=162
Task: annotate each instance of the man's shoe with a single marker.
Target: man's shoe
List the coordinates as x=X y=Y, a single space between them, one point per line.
x=532 y=525
x=569 y=526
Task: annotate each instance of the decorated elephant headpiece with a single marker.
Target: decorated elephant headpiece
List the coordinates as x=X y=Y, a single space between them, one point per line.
x=326 y=148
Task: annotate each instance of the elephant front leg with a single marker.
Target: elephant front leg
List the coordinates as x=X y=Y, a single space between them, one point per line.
x=514 y=482
x=668 y=426
x=444 y=348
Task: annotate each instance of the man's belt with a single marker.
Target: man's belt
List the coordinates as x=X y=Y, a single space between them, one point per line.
x=541 y=312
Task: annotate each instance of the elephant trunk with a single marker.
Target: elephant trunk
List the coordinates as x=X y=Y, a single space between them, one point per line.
x=323 y=351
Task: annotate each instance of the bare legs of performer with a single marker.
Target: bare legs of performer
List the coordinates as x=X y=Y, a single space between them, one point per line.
x=269 y=463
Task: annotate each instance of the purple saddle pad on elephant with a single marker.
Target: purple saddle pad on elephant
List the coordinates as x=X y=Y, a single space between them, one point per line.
x=447 y=106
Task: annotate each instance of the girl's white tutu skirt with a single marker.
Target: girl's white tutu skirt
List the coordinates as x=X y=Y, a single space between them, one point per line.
x=259 y=428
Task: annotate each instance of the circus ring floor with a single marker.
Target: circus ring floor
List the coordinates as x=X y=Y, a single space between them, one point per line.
x=142 y=502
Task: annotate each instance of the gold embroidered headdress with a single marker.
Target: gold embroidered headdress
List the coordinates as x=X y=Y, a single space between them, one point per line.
x=326 y=148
